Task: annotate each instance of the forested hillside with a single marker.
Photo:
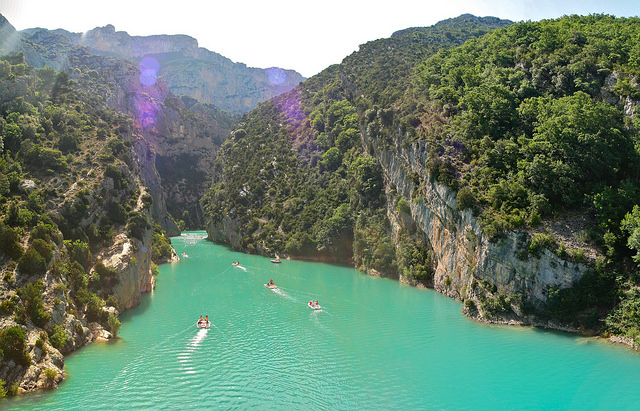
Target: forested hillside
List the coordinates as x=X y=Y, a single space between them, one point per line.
x=541 y=123
x=295 y=178
x=534 y=125
x=81 y=202
x=69 y=189
x=184 y=133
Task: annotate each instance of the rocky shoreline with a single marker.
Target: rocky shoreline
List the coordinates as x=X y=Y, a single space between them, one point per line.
x=44 y=368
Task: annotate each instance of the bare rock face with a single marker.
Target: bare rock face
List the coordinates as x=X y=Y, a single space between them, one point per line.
x=107 y=40
x=461 y=252
x=132 y=262
x=225 y=231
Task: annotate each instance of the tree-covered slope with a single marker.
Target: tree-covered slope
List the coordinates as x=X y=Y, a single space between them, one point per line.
x=534 y=125
x=540 y=121
x=183 y=133
x=70 y=189
x=296 y=179
x=81 y=201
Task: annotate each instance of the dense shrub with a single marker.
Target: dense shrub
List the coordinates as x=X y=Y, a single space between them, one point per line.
x=94 y=309
x=10 y=242
x=137 y=224
x=78 y=251
x=14 y=346
x=107 y=276
x=58 y=337
x=114 y=324
x=32 y=299
x=32 y=262
x=161 y=245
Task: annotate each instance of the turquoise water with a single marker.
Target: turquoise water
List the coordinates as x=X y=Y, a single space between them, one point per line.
x=376 y=344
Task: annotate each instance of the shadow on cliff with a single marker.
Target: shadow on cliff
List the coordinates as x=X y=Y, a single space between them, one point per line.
x=145 y=303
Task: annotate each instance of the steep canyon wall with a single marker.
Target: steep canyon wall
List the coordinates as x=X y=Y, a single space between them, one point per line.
x=461 y=252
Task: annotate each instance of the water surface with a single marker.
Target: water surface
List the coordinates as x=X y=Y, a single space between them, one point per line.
x=376 y=344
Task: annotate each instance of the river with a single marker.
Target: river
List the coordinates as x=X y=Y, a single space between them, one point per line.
x=376 y=344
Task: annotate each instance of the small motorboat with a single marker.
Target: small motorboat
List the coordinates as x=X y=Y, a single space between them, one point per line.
x=203 y=324
x=184 y=255
x=236 y=263
x=276 y=261
x=314 y=306
x=271 y=286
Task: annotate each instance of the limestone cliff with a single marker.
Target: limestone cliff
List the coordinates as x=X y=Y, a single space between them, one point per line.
x=463 y=256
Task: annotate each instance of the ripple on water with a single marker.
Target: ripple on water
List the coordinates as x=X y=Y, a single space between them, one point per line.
x=375 y=345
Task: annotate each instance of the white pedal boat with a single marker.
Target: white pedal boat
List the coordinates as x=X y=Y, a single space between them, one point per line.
x=314 y=306
x=203 y=324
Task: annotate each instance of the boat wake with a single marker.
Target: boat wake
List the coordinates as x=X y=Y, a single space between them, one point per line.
x=198 y=338
x=282 y=293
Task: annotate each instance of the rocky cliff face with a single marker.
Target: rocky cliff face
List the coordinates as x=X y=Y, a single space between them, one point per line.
x=225 y=231
x=131 y=259
x=175 y=146
x=462 y=255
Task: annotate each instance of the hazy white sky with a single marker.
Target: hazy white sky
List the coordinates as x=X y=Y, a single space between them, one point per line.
x=306 y=36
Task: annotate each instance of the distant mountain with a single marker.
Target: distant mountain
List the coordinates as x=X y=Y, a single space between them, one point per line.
x=186 y=68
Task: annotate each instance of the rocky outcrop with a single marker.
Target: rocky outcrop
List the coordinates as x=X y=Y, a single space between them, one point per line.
x=462 y=254
x=132 y=261
x=109 y=41
x=225 y=231
x=45 y=371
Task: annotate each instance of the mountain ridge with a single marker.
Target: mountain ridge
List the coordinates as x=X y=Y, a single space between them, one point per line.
x=187 y=69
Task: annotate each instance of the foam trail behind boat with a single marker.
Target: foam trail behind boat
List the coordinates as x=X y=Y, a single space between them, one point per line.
x=199 y=337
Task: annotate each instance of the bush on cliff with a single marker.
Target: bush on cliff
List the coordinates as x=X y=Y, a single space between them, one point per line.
x=32 y=299
x=14 y=346
x=32 y=263
x=114 y=324
x=137 y=224
x=161 y=245
x=10 y=242
x=58 y=337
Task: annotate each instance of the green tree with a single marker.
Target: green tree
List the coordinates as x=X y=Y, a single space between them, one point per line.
x=114 y=324
x=32 y=298
x=368 y=177
x=332 y=159
x=79 y=252
x=58 y=337
x=631 y=224
x=137 y=224
x=32 y=262
x=13 y=345
x=10 y=242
